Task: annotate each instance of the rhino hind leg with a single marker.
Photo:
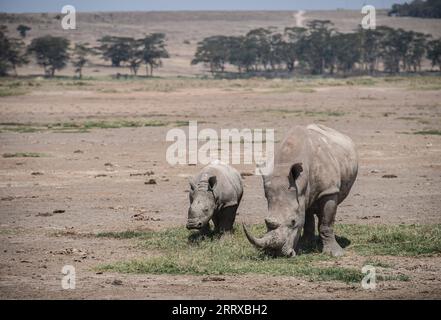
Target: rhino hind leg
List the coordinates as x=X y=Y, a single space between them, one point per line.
x=224 y=219
x=327 y=211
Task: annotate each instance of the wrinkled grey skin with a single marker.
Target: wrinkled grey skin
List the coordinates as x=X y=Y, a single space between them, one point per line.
x=314 y=170
x=215 y=195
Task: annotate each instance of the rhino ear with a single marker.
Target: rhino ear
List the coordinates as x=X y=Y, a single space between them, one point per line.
x=192 y=184
x=295 y=171
x=212 y=181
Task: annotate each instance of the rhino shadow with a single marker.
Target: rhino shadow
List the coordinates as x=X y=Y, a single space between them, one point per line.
x=316 y=246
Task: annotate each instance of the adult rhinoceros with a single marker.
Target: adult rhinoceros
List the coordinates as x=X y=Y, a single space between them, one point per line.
x=314 y=169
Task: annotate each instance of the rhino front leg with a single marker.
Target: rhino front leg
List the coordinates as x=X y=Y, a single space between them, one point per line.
x=309 y=227
x=223 y=220
x=328 y=209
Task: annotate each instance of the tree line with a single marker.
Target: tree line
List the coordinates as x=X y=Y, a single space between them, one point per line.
x=54 y=53
x=417 y=8
x=319 y=49
x=316 y=49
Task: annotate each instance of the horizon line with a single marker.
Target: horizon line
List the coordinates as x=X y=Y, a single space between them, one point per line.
x=189 y=10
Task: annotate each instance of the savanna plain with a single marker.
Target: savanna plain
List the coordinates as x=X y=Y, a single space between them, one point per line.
x=84 y=180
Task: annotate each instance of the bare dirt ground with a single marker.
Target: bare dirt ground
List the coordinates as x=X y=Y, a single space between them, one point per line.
x=97 y=177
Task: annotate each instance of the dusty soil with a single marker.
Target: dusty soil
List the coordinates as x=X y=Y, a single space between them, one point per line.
x=91 y=175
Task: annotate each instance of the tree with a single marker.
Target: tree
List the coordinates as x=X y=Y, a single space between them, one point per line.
x=150 y=50
x=278 y=47
x=434 y=52
x=346 y=48
x=318 y=51
x=249 y=54
x=115 y=49
x=12 y=53
x=50 y=52
x=295 y=47
x=134 y=54
x=80 y=55
x=23 y=29
x=418 y=8
x=370 y=45
x=402 y=49
x=153 y=51
x=236 y=55
x=416 y=51
x=261 y=42
x=213 y=52
x=391 y=49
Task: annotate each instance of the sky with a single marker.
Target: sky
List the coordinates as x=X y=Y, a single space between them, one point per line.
x=20 y=6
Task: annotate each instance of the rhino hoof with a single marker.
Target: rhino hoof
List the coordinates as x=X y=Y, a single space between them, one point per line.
x=334 y=250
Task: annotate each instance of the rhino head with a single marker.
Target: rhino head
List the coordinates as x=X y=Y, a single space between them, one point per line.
x=286 y=212
x=202 y=203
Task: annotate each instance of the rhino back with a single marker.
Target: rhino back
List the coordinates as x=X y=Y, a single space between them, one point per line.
x=328 y=158
x=335 y=164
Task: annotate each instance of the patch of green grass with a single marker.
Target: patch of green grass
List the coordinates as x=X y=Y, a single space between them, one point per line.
x=78 y=83
x=400 y=240
x=306 y=113
x=324 y=113
x=20 y=129
x=400 y=277
x=428 y=132
x=283 y=111
x=425 y=87
x=122 y=124
x=110 y=124
x=184 y=123
x=79 y=127
x=23 y=155
x=177 y=251
x=306 y=90
x=121 y=235
x=103 y=90
x=7 y=92
x=407 y=118
x=362 y=81
x=231 y=254
x=274 y=267
x=181 y=123
x=376 y=263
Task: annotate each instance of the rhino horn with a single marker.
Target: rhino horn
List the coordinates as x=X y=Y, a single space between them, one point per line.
x=261 y=243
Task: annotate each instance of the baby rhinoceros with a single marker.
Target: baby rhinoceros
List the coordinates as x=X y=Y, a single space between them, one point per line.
x=215 y=195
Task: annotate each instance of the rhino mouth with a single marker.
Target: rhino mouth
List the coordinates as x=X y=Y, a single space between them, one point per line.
x=194 y=225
